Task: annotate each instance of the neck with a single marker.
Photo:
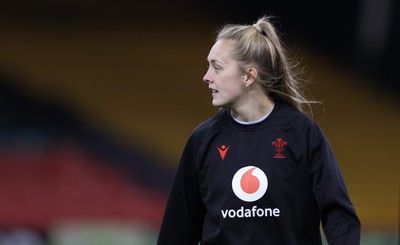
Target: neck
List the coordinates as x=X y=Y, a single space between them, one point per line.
x=253 y=111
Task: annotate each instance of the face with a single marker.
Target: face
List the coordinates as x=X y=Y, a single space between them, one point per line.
x=224 y=76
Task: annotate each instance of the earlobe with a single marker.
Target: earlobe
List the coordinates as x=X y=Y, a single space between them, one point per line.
x=246 y=80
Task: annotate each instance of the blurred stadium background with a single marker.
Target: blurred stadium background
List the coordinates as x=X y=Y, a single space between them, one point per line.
x=97 y=99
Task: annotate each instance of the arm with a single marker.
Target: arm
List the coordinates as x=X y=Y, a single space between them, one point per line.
x=184 y=213
x=339 y=220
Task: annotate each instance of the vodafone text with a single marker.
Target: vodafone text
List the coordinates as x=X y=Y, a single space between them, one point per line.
x=250 y=212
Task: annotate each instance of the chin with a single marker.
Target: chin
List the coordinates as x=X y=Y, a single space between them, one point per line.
x=220 y=105
x=216 y=104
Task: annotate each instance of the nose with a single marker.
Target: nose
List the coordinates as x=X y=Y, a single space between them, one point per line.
x=207 y=78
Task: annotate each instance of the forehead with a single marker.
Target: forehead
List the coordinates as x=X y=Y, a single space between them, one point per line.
x=221 y=51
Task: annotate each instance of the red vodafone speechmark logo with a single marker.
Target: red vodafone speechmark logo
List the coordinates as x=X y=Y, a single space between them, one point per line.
x=249 y=183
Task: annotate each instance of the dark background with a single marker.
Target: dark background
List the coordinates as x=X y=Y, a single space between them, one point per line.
x=363 y=35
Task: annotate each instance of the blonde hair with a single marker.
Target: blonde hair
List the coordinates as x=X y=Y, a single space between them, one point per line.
x=260 y=45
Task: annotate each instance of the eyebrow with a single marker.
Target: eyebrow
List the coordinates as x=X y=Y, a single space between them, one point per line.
x=214 y=61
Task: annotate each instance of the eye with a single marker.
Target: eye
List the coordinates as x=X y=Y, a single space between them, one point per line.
x=214 y=66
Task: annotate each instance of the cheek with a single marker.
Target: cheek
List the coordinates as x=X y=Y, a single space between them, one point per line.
x=236 y=87
x=230 y=84
x=231 y=93
x=234 y=91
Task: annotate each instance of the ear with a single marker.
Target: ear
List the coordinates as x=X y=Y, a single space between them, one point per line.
x=251 y=76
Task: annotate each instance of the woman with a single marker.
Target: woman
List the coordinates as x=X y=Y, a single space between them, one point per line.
x=260 y=171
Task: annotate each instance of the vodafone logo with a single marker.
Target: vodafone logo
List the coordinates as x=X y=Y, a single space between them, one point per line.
x=249 y=183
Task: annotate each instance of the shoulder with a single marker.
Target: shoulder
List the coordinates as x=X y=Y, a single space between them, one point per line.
x=204 y=132
x=211 y=124
x=289 y=117
x=294 y=116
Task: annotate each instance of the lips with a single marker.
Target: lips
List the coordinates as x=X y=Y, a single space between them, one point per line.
x=213 y=91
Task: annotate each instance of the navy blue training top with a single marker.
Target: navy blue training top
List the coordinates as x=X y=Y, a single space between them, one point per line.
x=272 y=182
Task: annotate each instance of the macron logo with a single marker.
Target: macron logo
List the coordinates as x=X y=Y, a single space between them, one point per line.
x=223 y=150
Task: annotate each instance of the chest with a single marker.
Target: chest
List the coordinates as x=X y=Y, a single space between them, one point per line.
x=242 y=166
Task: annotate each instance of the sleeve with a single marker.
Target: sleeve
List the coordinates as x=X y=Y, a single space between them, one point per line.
x=184 y=212
x=338 y=216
